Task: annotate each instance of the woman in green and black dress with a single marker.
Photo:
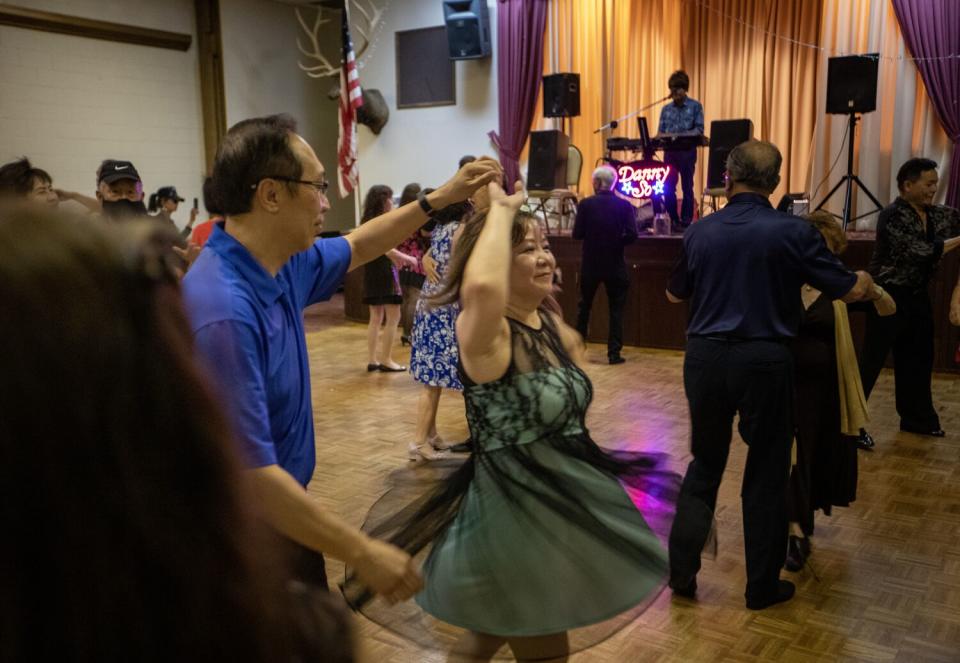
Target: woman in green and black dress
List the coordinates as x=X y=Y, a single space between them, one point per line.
x=537 y=541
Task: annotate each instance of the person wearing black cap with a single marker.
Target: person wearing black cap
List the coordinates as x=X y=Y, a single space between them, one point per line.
x=742 y=270
x=165 y=202
x=120 y=190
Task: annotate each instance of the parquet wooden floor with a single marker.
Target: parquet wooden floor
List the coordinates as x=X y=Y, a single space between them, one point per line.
x=884 y=583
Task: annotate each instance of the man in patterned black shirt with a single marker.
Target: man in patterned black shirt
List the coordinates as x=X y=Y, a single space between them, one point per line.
x=912 y=235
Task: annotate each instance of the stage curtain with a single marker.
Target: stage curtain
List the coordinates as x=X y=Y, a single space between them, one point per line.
x=904 y=124
x=931 y=30
x=739 y=69
x=624 y=52
x=520 y=33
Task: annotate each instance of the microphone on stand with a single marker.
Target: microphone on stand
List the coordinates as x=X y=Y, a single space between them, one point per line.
x=613 y=124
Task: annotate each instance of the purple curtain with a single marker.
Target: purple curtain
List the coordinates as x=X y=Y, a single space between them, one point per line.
x=520 y=28
x=931 y=29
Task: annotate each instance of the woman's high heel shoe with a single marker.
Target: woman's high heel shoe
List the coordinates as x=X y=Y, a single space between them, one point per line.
x=798 y=550
x=424 y=451
x=404 y=340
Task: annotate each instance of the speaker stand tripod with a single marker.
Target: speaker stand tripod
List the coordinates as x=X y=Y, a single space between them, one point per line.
x=851 y=180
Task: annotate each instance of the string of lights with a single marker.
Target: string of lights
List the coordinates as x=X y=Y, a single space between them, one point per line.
x=750 y=26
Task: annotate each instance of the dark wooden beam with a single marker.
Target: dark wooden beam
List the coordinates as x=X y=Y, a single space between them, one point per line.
x=213 y=98
x=32 y=19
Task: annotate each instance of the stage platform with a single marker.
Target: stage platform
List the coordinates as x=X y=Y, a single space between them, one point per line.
x=653 y=322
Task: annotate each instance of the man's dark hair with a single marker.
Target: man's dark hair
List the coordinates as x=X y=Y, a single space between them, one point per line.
x=210 y=199
x=252 y=150
x=17 y=177
x=912 y=169
x=679 y=79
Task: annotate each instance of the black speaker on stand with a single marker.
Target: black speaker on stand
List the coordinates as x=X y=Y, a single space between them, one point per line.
x=547 y=168
x=852 y=89
x=561 y=97
x=724 y=136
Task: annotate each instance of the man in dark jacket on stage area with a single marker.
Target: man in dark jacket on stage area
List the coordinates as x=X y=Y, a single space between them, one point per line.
x=606 y=224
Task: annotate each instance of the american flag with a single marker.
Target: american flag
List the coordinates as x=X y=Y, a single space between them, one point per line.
x=351 y=98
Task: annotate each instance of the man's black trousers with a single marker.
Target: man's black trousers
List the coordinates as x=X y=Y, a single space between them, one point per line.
x=616 y=286
x=685 y=163
x=722 y=378
x=909 y=333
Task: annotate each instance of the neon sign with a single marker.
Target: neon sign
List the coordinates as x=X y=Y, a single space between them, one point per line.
x=644 y=179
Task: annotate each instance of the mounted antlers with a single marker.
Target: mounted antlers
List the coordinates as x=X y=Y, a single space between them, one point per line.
x=371 y=17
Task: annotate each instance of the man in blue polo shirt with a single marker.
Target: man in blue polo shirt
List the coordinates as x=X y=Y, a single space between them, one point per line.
x=245 y=295
x=741 y=269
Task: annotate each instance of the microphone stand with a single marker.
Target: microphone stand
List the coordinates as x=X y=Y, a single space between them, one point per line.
x=613 y=124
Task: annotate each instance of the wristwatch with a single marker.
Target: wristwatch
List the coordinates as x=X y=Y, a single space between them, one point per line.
x=425 y=205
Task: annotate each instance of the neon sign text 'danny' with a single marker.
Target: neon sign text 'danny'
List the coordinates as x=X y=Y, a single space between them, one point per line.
x=637 y=180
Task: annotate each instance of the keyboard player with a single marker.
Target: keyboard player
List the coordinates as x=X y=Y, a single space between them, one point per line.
x=683 y=116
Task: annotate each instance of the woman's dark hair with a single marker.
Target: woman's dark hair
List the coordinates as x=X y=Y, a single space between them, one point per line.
x=450 y=288
x=127 y=533
x=154 y=204
x=17 y=178
x=251 y=151
x=375 y=202
x=409 y=193
x=912 y=169
x=679 y=79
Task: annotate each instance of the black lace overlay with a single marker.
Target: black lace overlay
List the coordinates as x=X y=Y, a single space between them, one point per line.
x=539 y=530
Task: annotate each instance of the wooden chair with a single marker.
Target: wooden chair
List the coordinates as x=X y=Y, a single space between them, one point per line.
x=715 y=194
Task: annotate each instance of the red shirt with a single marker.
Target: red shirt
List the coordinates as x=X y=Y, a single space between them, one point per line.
x=201 y=233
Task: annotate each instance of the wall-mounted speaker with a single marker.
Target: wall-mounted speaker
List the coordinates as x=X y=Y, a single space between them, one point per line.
x=468 y=28
x=561 y=95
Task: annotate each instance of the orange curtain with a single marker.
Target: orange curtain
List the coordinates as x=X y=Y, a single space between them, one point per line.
x=624 y=53
x=751 y=59
x=625 y=50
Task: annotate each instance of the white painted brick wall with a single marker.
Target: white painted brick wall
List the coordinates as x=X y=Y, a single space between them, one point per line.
x=68 y=102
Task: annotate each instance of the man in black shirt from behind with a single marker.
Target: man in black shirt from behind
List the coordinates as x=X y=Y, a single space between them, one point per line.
x=606 y=224
x=912 y=236
x=742 y=269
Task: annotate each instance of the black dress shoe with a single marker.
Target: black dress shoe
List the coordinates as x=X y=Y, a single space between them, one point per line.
x=936 y=432
x=616 y=359
x=685 y=588
x=372 y=367
x=387 y=369
x=464 y=447
x=865 y=442
x=798 y=550
x=785 y=591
